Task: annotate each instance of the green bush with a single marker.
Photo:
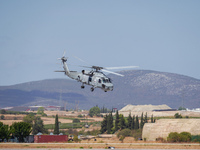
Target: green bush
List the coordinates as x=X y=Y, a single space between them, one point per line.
x=76 y=138
x=185 y=137
x=2 y=117
x=124 y=132
x=195 y=138
x=94 y=111
x=137 y=134
x=173 y=137
x=182 y=137
x=2 y=111
x=76 y=121
x=177 y=115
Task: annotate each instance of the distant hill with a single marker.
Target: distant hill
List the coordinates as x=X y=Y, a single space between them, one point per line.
x=137 y=87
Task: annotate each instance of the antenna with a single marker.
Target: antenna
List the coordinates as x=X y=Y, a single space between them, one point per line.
x=77 y=103
x=60 y=102
x=65 y=106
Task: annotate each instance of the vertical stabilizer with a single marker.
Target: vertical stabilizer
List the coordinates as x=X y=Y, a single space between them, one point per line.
x=66 y=67
x=64 y=60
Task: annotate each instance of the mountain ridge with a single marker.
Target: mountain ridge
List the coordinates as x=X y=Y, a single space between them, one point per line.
x=137 y=87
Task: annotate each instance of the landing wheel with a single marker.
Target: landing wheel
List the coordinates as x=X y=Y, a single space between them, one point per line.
x=82 y=86
x=92 y=89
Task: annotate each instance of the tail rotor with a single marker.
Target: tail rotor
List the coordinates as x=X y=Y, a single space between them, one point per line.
x=63 y=58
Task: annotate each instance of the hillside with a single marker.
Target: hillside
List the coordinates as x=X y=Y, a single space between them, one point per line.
x=138 y=87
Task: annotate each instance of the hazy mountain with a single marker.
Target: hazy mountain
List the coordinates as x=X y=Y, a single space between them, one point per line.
x=137 y=87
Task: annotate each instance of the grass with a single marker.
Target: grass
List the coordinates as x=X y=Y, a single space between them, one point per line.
x=65 y=125
x=72 y=125
x=71 y=118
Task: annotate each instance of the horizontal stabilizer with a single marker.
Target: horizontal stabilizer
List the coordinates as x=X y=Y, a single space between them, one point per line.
x=59 y=71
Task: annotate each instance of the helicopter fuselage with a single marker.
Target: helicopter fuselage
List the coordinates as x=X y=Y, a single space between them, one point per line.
x=92 y=78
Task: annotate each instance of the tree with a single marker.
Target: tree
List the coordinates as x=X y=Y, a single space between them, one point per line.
x=185 y=137
x=173 y=137
x=141 y=121
x=2 y=117
x=129 y=121
x=182 y=137
x=122 y=122
x=76 y=120
x=133 y=123
x=4 y=131
x=177 y=115
x=152 y=120
x=76 y=138
x=181 y=108
x=20 y=130
x=29 y=118
x=136 y=122
x=56 y=129
x=41 y=111
x=2 y=111
x=145 y=118
x=104 y=110
x=123 y=133
x=116 y=121
x=109 y=123
x=94 y=111
x=38 y=126
x=104 y=125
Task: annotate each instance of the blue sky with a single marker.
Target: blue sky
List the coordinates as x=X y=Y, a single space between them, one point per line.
x=155 y=35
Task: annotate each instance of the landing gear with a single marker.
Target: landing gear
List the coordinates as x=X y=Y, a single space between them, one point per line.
x=92 y=89
x=82 y=86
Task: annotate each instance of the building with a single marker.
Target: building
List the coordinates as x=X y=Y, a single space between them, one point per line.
x=50 y=138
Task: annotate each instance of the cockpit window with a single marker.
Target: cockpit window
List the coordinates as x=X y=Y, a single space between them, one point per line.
x=106 y=80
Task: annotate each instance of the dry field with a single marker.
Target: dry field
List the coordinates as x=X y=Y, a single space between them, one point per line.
x=162 y=113
x=10 y=119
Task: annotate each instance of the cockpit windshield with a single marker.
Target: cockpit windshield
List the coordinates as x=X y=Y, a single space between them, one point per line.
x=106 y=80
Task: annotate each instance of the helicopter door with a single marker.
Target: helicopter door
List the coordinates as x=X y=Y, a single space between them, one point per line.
x=89 y=79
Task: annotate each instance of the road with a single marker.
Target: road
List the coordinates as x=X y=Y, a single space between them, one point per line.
x=96 y=146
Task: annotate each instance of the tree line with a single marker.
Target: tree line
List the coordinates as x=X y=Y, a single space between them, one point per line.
x=31 y=124
x=18 y=129
x=95 y=111
x=111 y=124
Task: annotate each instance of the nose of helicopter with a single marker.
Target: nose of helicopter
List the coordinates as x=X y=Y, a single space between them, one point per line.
x=108 y=87
x=111 y=88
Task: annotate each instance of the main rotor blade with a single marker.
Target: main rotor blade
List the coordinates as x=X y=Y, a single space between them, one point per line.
x=86 y=67
x=82 y=60
x=64 y=53
x=113 y=73
x=123 y=67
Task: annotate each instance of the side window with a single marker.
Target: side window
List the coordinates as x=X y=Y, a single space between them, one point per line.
x=99 y=80
x=90 y=79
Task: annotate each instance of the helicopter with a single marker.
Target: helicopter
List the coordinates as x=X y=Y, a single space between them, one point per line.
x=95 y=78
